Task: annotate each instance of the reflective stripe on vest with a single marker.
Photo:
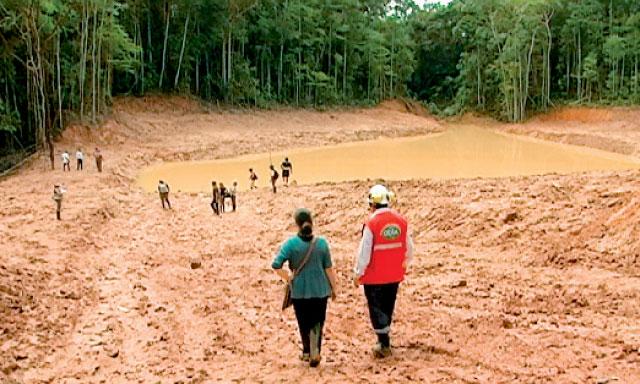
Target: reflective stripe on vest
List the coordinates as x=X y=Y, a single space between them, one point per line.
x=389 y=231
x=382 y=247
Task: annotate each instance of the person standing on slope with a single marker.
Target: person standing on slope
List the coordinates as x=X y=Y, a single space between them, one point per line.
x=287 y=170
x=214 y=198
x=274 y=177
x=79 y=159
x=385 y=252
x=252 y=179
x=233 y=191
x=163 y=190
x=65 y=161
x=58 y=194
x=99 y=158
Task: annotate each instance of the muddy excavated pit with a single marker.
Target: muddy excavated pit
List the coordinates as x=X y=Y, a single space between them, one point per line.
x=462 y=152
x=519 y=278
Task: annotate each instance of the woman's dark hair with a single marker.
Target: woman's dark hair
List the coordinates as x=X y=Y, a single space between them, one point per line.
x=306 y=229
x=304 y=221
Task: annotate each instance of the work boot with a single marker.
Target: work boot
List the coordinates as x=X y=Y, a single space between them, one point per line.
x=314 y=336
x=305 y=357
x=380 y=351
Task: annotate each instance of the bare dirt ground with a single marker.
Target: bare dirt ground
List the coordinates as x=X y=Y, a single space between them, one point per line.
x=530 y=279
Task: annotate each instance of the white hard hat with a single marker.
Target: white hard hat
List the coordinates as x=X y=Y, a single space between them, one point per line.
x=379 y=194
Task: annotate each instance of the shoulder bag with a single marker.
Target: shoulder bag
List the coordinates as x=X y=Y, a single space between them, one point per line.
x=287 y=302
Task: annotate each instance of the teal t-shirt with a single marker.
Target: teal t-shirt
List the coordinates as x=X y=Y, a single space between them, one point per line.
x=312 y=282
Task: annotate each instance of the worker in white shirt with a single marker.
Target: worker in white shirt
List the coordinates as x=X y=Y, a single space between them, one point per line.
x=79 y=159
x=65 y=161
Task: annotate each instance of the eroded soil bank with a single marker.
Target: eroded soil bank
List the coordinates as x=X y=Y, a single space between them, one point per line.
x=522 y=279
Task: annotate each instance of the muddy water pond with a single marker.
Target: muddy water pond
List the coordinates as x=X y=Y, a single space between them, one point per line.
x=460 y=152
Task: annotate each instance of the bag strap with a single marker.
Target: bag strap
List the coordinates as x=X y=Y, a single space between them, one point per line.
x=305 y=260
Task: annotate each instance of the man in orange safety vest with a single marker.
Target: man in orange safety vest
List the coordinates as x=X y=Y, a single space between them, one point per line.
x=385 y=252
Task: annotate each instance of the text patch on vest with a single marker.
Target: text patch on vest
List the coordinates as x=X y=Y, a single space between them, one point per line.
x=391 y=232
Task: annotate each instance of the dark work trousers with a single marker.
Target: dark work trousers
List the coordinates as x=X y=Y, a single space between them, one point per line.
x=214 y=206
x=164 y=197
x=382 y=300
x=310 y=313
x=233 y=202
x=79 y=165
x=58 y=208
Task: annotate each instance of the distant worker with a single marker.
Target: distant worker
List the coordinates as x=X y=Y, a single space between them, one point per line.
x=98 y=156
x=163 y=190
x=222 y=194
x=66 y=160
x=312 y=281
x=274 y=177
x=215 y=198
x=232 y=194
x=79 y=159
x=58 y=192
x=252 y=179
x=287 y=170
x=384 y=255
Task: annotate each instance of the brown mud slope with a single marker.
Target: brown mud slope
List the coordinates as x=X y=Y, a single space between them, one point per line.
x=533 y=279
x=612 y=129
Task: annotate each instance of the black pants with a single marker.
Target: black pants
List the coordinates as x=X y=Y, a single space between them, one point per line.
x=58 y=209
x=382 y=301
x=79 y=165
x=310 y=313
x=164 y=197
x=214 y=206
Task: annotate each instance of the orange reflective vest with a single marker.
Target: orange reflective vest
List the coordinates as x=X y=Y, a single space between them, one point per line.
x=389 y=231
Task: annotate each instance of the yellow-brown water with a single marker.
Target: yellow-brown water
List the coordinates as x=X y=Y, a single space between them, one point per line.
x=461 y=152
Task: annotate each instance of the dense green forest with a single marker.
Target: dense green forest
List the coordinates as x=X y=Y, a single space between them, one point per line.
x=64 y=60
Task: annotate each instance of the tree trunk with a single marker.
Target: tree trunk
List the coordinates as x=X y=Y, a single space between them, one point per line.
x=280 y=71
x=184 y=41
x=229 y=55
x=61 y=123
x=149 y=45
x=224 y=60
x=344 y=70
x=579 y=65
x=93 y=65
x=166 y=37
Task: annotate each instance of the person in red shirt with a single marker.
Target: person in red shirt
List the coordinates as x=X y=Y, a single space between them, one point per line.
x=385 y=252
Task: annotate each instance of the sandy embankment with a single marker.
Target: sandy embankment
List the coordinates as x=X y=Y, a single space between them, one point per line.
x=516 y=280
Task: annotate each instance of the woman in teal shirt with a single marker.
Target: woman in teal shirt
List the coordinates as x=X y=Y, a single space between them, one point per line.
x=313 y=285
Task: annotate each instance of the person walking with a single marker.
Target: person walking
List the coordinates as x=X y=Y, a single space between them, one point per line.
x=385 y=252
x=312 y=282
x=252 y=179
x=98 y=156
x=274 y=177
x=163 y=190
x=58 y=194
x=287 y=170
x=79 y=159
x=66 y=160
x=215 y=198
